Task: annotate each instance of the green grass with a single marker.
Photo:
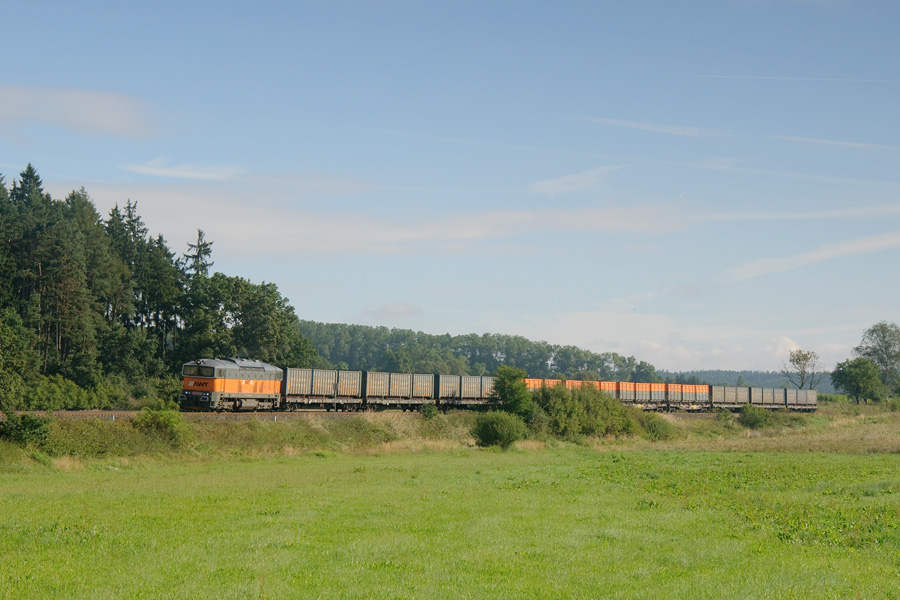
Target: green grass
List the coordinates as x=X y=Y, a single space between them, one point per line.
x=566 y=522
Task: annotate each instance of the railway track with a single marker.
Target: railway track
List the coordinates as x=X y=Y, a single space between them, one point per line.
x=127 y=415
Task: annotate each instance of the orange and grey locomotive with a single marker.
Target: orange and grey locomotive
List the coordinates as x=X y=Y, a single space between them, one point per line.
x=231 y=384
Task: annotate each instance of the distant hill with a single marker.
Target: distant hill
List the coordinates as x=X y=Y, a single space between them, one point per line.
x=751 y=378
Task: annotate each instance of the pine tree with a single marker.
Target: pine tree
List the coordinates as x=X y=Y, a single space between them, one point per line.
x=197 y=257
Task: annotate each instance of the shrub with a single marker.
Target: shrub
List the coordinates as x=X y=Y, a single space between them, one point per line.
x=656 y=427
x=498 y=429
x=97 y=438
x=725 y=418
x=571 y=414
x=754 y=417
x=783 y=417
x=565 y=415
x=429 y=410
x=162 y=422
x=604 y=415
x=25 y=429
x=12 y=391
x=510 y=393
x=113 y=391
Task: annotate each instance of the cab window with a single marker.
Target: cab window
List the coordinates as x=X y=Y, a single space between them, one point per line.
x=196 y=371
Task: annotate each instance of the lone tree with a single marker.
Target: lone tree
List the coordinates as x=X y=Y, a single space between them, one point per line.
x=196 y=259
x=858 y=378
x=881 y=345
x=510 y=393
x=805 y=370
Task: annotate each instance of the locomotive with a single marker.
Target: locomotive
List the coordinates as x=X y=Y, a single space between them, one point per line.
x=238 y=384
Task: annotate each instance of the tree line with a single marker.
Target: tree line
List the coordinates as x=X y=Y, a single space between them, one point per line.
x=95 y=311
x=362 y=347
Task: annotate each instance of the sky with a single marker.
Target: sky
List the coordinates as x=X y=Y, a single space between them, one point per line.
x=702 y=184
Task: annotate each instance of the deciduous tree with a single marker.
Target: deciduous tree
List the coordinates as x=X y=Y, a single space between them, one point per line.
x=510 y=393
x=881 y=345
x=858 y=378
x=804 y=369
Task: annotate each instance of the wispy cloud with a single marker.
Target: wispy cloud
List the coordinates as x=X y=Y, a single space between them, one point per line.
x=732 y=165
x=857 y=212
x=577 y=182
x=160 y=168
x=694 y=132
x=84 y=111
x=825 y=79
x=861 y=145
x=326 y=229
x=765 y=266
x=467 y=141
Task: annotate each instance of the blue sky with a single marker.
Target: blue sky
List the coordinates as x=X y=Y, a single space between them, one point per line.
x=700 y=184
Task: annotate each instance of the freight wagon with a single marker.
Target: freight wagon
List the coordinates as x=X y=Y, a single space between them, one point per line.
x=241 y=384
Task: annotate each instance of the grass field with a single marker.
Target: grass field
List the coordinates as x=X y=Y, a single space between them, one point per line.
x=537 y=522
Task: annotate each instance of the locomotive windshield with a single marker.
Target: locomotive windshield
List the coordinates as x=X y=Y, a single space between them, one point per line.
x=197 y=371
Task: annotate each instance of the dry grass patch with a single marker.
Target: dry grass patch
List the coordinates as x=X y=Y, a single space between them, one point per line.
x=68 y=463
x=874 y=433
x=411 y=446
x=531 y=445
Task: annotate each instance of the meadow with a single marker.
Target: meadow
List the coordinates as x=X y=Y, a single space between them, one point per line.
x=391 y=506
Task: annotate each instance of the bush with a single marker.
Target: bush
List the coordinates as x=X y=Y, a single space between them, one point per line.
x=783 y=417
x=498 y=429
x=604 y=415
x=656 y=427
x=754 y=417
x=163 y=422
x=12 y=391
x=97 y=438
x=510 y=393
x=725 y=418
x=429 y=410
x=565 y=416
x=25 y=429
x=571 y=414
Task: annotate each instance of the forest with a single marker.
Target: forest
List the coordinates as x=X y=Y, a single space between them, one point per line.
x=96 y=312
x=381 y=349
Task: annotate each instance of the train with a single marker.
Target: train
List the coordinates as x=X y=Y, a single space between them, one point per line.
x=241 y=384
